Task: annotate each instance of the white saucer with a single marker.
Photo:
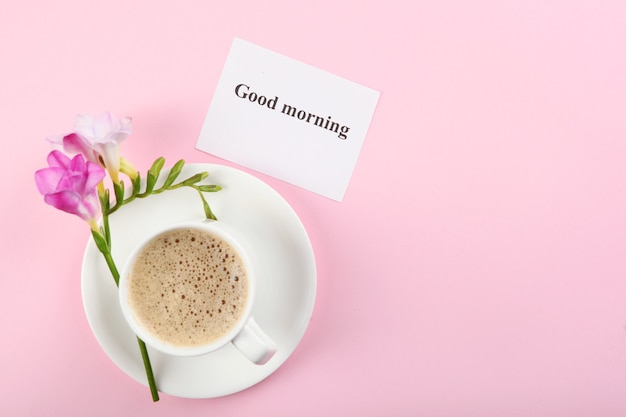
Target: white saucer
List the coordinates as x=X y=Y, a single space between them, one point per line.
x=286 y=284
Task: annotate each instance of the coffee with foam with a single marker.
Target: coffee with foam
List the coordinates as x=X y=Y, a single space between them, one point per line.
x=188 y=287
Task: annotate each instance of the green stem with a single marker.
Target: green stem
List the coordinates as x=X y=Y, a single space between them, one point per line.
x=103 y=240
x=112 y=267
x=107 y=237
x=142 y=346
x=189 y=182
x=148 y=366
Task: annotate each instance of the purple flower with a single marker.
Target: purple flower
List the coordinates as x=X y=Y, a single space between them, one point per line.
x=70 y=185
x=98 y=139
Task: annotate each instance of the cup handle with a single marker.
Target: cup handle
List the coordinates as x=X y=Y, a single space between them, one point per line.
x=254 y=343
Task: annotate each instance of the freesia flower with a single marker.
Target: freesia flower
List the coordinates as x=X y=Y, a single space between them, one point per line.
x=98 y=139
x=70 y=185
x=76 y=186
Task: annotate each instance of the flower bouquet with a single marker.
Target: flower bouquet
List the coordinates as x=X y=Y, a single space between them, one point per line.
x=79 y=185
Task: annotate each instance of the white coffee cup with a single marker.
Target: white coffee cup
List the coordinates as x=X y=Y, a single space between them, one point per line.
x=243 y=332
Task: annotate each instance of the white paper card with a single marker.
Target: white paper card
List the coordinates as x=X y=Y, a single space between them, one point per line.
x=287 y=119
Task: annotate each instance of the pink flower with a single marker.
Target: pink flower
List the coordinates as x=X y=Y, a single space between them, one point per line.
x=70 y=185
x=98 y=139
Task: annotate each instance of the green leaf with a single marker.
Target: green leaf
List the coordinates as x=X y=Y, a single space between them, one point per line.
x=156 y=167
x=118 y=189
x=136 y=184
x=174 y=173
x=207 y=209
x=153 y=174
x=100 y=242
x=209 y=188
x=105 y=203
x=194 y=179
x=150 y=183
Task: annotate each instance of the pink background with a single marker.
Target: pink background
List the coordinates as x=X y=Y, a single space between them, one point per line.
x=476 y=266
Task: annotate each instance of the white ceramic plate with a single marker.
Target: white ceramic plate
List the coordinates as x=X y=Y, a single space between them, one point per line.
x=286 y=289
